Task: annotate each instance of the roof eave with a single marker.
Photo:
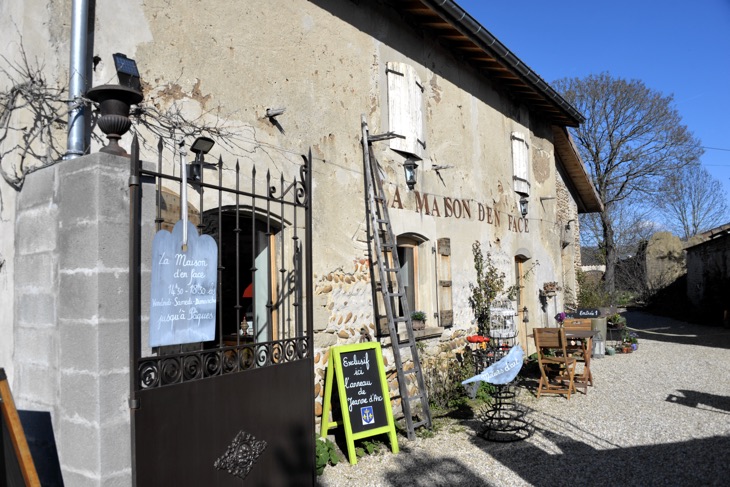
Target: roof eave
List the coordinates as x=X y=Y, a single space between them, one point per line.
x=588 y=199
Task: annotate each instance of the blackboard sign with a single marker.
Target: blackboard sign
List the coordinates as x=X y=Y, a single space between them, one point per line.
x=17 y=467
x=184 y=281
x=357 y=372
x=584 y=313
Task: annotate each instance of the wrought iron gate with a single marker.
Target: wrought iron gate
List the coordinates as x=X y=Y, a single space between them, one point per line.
x=240 y=406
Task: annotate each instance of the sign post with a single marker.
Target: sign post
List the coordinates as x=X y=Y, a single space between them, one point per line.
x=358 y=373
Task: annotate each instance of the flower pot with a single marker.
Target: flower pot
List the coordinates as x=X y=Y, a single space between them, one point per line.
x=418 y=325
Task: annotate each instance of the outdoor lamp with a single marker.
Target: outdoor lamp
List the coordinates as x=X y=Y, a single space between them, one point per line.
x=200 y=147
x=523 y=205
x=410 y=167
x=525 y=315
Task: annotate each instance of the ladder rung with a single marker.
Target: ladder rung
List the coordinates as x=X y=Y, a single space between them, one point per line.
x=416 y=396
x=392 y=269
x=420 y=423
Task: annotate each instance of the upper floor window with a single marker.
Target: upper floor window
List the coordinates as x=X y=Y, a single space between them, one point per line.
x=521 y=163
x=405 y=109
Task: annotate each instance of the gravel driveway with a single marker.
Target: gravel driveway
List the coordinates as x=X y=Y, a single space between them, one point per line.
x=658 y=416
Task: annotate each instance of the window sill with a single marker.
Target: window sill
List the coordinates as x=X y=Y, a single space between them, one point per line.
x=428 y=332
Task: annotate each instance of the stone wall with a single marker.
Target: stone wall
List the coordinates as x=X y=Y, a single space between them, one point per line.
x=708 y=277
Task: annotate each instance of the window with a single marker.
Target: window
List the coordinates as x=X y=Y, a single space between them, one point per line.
x=426 y=277
x=256 y=280
x=521 y=163
x=405 y=109
x=408 y=257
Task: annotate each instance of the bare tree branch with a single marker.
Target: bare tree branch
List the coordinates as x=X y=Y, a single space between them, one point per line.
x=631 y=140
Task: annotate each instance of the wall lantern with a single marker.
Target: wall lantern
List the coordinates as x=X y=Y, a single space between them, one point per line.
x=410 y=168
x=525 y=315
x=200 y=147
x=523 y=205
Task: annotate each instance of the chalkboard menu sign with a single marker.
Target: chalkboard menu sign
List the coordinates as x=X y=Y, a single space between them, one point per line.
x=184 y=281
x=584 y=313
x=357 y=373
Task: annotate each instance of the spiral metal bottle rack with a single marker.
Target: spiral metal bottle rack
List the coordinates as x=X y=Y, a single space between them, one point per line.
x=504 y=419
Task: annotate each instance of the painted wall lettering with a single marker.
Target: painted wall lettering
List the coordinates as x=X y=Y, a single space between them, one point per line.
x=460 y=209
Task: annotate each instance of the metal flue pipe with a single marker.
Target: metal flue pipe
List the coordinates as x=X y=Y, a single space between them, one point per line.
x=78 y=71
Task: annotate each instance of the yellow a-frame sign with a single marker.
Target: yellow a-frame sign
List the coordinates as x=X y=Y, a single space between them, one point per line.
x=362 y=392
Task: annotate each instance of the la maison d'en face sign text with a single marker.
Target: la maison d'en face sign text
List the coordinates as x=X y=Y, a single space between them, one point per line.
x=460 y=209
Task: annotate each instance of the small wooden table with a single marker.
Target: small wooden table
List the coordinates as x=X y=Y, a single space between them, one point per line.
x=586 y=338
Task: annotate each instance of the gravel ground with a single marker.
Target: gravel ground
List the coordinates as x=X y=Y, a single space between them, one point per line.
x=658 y=416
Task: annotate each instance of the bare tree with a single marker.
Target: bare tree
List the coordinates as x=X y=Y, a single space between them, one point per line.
x=32 y=117
x=692 y=201
x=631 y=139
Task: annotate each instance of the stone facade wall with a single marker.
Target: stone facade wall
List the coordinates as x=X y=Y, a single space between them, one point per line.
x=326 y=65
x=569 y=227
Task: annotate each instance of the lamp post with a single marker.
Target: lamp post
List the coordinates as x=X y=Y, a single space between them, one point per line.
x=410 y=167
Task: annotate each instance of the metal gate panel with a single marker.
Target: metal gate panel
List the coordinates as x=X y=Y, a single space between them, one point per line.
x=180 y=436
x=240 y=408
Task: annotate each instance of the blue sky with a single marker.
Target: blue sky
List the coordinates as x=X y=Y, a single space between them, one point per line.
x=677 y=47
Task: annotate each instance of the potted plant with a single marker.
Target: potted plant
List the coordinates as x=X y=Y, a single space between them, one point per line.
x=418 y=319
x=629 y=341
x=616 y=321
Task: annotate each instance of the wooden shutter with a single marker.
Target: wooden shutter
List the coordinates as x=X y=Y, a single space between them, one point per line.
x=443 y=270
x=405 y=109
x=520 y=162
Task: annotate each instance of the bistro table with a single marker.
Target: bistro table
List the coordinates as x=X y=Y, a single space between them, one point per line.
x=585 y=337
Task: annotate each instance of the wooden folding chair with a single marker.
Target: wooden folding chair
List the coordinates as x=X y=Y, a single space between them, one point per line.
x=556 y=366
x=580 y=350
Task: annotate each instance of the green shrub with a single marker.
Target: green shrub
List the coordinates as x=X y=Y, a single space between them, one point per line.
x=443 y=378
x=591 y=293
x=326 y=454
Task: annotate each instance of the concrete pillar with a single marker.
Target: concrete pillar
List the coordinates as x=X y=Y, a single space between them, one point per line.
x=71 y=325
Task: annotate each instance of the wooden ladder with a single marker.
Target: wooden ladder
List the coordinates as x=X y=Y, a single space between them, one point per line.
x=389 y=287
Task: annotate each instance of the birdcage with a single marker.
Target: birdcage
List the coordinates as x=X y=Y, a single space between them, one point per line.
x=502 y=323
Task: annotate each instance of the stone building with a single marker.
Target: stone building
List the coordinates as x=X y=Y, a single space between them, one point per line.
x=708 y=275
x=489 y=136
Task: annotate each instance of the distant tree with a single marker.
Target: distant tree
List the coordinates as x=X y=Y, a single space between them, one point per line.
x=632 y=138
x=692 y=201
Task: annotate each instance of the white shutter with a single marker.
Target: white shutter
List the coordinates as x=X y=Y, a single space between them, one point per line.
x=405 y=109
x=520 y=162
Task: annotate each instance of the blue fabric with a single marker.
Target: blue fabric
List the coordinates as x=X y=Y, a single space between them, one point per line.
x=503 y=371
